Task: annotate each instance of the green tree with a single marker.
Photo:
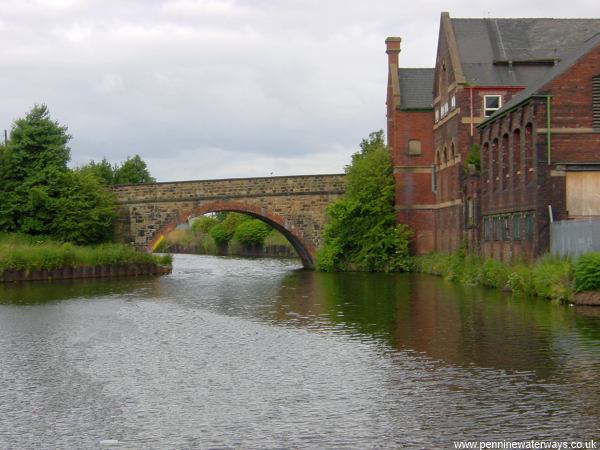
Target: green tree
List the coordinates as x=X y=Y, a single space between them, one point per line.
x=40 y=194
x=221 y=234
x=85 y=210
x=252 y=232
x=133 y=171
x=103 y=171
x=203 y=224
x=33 y=165
x=362 y=233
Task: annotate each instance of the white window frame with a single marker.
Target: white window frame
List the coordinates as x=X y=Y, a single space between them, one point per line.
x=487 y=112
x=452 y=101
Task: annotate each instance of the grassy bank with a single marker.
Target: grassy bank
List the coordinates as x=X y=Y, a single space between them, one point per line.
x=22 y=252
x=549 y=276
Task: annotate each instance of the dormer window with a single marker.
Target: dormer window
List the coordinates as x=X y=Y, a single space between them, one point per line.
x=491 y=104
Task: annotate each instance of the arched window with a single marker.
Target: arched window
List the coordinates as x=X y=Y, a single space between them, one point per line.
x=516 y=145
x=452 y=152
x=529 y=160
x=445 y=156
x=495 y=165
x=485 y=167
x=505 y=161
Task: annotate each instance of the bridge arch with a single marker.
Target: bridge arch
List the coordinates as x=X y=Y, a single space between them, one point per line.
x=293 y=234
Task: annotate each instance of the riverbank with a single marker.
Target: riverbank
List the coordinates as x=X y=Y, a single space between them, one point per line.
x=198 y=240
x=266 y=251
x=550 y=277
x=27 y=258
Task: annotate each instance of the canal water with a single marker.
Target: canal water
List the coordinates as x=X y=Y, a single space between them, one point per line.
x=235 y=353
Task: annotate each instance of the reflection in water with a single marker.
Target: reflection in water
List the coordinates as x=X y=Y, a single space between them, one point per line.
x=37 y=292
x=453 y=323
x=233 y=353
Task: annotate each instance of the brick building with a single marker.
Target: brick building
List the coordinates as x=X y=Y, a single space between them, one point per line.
x=481 y=64
x=410 y=141
x=540 y=157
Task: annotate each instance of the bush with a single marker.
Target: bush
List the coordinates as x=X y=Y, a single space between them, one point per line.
x=586 y=272
x=551 y=278
x=203 y=224
x=252 y=232
x=221 y=234
x=362 y=233
x=494 y=274
x=474 y=156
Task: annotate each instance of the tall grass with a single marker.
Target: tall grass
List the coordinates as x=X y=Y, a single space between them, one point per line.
x=587 y=272
x=549 y=276
x=26 y=252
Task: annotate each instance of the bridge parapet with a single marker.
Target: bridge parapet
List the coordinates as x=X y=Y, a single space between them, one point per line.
x=295 y=205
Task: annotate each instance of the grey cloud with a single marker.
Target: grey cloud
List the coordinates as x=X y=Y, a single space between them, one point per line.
x=210 y=87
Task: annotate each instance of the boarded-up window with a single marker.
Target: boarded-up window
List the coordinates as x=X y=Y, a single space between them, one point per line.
x=596 y=101
x=414 y=147
x=583 y=193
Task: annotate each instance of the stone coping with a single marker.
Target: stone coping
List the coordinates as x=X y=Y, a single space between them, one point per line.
x=68 y=273
x=587 y=298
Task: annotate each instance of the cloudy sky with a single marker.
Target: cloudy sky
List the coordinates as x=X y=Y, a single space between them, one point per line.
x=222 y=88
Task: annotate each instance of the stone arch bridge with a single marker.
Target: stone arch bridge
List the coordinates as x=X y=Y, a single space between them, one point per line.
x=294 y=205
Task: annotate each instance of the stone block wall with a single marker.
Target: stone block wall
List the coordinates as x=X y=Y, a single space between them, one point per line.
x=295 y=205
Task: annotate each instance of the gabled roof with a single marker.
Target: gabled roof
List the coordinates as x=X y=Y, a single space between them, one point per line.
x=538 y=86
x=416 y=88
x=516 y=52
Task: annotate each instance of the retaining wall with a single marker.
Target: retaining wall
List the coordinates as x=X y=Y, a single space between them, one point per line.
x=66 y=273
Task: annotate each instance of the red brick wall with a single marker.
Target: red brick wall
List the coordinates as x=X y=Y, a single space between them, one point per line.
x=413 y=174
x=539 y=184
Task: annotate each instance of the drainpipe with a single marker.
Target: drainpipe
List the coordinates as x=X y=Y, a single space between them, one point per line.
x=549 y=125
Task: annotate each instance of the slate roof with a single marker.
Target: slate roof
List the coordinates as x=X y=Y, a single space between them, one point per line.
x=416 y=88
x=485 y=47
x=537 y=87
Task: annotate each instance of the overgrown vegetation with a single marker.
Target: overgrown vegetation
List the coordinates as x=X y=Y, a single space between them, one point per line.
x=22 y=252
x=474 y=157
x=226 y=233
x=362 y=233
x=586 y=272
x=549 y=276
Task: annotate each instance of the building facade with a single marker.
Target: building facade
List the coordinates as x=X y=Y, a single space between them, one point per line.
x=540 y=158
x=482 y=66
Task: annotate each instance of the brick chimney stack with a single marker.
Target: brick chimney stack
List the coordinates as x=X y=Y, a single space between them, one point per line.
x=392 y=48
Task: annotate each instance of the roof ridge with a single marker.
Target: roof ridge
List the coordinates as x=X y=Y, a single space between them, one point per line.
x=535 y=88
